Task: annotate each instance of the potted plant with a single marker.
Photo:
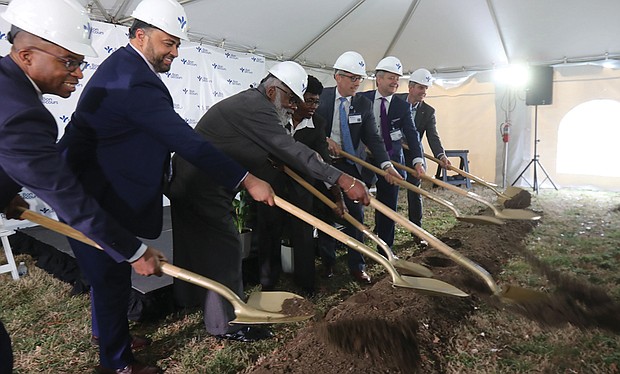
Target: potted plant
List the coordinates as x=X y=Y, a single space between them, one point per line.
x=241 y=215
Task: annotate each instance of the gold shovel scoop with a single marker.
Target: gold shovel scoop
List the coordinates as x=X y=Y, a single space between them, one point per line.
x=403 y=267
x=261 y=307
x=508 y=293
x=521 y=214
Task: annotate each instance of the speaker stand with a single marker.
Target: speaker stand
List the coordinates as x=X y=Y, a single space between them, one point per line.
x=535 y=162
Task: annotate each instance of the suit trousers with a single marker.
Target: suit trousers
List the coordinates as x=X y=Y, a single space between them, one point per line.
x=110 y=284
x=355 y=259
x=207 y=242
x=273 y=223
x=388 y=195
x=414 y=200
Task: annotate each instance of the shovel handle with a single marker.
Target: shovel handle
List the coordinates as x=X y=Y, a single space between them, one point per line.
x=166 y=268
x=468 y=175
x=403 y=183
x=450 y=187
x=349 y=218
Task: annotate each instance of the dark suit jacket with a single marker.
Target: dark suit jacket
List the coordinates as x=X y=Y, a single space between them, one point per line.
x=29 y=157
x=120 y=138
x=365 y=132
x=399 y=117
x=315 y=137
x=425 y=122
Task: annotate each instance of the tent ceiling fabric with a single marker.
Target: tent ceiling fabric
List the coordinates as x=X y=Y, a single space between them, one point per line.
x=441 y=35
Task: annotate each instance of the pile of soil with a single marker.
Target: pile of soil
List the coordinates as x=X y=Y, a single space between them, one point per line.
x=384 y=329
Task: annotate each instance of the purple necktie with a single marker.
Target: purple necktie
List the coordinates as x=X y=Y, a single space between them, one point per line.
x=385 y=127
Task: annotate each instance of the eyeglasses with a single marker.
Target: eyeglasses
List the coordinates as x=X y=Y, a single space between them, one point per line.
x=292 y=99
x=312 y=102
x=70 y=64
x=353 y=78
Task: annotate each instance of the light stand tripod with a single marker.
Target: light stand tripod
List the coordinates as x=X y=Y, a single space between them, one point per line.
x=534 y=161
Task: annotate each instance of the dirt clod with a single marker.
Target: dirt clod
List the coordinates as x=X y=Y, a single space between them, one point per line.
x=520 y=201
x=296 y=306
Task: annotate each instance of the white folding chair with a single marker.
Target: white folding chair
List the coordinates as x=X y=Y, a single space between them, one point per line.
x=11 y=266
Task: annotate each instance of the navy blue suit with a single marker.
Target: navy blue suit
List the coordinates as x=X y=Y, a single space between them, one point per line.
x=366 y=132
x=118 y=143
x=400 y=118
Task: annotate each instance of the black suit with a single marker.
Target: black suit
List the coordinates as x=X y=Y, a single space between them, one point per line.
x=425 y=122
x=364 y=131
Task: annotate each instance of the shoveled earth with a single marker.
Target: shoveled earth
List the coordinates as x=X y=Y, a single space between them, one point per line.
x=398 y=330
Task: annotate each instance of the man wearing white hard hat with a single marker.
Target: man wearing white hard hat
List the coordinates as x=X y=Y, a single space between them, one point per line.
x=424 y=118
x=119 y=142
x=49 y=41
x=249 y=127
x=395 y=123
x=350 y=122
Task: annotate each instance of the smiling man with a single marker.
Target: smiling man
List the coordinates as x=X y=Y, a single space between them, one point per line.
x=119 y=142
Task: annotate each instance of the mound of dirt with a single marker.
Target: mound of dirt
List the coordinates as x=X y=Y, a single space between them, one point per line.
x=385 y=329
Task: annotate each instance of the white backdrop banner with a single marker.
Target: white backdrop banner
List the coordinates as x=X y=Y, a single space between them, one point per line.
x=200 y=77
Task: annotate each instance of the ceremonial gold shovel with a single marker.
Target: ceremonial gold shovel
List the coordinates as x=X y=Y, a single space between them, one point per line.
x=261 y=307
x=403 y=267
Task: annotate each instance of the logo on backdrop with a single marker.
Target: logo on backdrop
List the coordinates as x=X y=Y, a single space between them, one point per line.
x=218 y=94
x=202 y=79
x=188 y=62
x=246 y=70
x=49 y=101
x=97 y=31
x=217 y=66
x=203 y=108
x=257 y=59
x=178 y=106
x=201 y=49
x=2 y=35
x=182 y=22
x=63 y=118
x=171 y=75
x=233 y=82
x=91 y=66
x=109 y=49
x=231 y=56
x=191 y=121
x=190 y=92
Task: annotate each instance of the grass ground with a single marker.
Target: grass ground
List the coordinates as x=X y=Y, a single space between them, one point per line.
x=579 y=235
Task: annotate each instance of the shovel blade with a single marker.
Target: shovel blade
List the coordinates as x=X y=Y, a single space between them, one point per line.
x=509 y=193
x=428 y=286
x=522 y=214
x=267 y=307
x=516 y=294
x=410 y=268
x=481 y=220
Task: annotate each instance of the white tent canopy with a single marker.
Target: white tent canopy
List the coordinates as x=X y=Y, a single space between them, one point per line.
x=441 y=35
x=449 y=37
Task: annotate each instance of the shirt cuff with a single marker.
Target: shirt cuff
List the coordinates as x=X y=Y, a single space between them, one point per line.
x=138 y=253
x=242 y=179
x=386 y=164
x=417 y=160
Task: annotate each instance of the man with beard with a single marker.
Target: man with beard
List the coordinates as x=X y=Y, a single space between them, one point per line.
x=249 y=127
x=118 y=143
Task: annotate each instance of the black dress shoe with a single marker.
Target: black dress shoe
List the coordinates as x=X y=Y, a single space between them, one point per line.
x=361 y=276
x=137 y=342
x=135 y=368
x=248 y=334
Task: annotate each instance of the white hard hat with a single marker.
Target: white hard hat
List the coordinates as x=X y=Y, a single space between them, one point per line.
x=390 y=64
x=167 y=15
x=62 y=22
x=422 y=76
x=352 y=62
x=293 y=75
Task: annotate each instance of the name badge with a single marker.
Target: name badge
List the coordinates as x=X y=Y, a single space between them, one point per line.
x=396 y=135
x=355 y=118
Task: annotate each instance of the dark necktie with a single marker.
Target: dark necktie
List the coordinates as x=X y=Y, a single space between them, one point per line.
x=345 y=134
x=385 y=127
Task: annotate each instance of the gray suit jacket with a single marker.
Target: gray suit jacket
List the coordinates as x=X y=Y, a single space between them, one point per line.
x=425 y=122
